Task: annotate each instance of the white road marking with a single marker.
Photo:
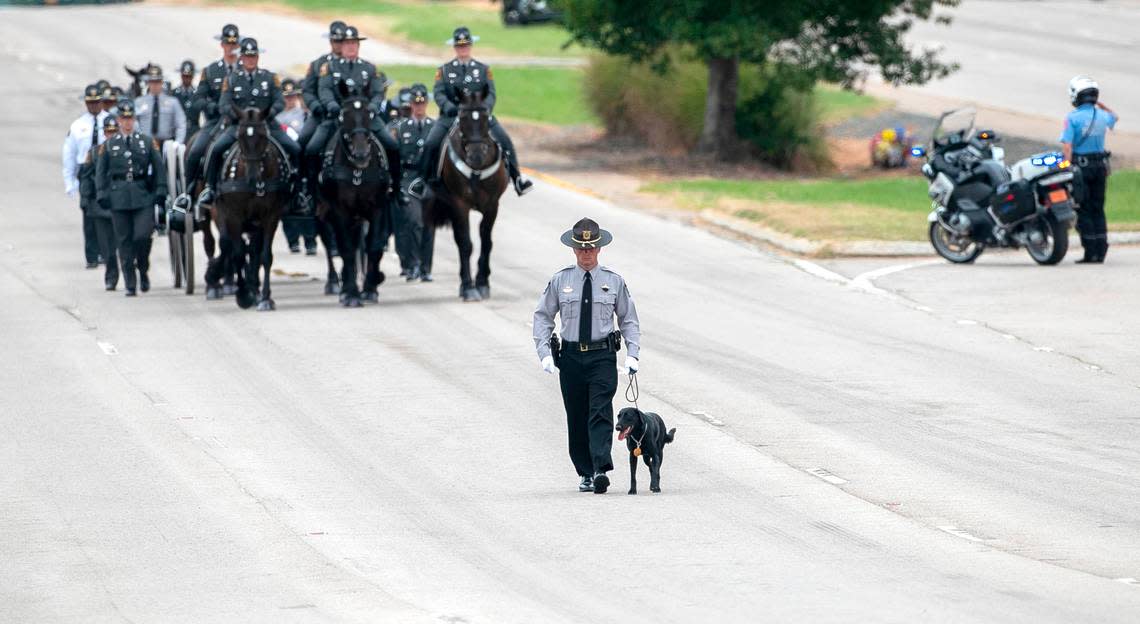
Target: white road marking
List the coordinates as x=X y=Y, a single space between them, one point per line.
x=827 y=476
x=955 y=531
x=1043 y=349
x=967 y=322
x=1128 y=580
x=820 y=272
x=865 y=281
x=108 y=348
x=709 y=418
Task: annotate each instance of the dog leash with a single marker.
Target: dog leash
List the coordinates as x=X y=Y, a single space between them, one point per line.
x=631 y=393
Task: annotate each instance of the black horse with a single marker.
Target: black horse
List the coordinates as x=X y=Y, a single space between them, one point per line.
x=474 y=178
x=252 y=195
x=355 y=192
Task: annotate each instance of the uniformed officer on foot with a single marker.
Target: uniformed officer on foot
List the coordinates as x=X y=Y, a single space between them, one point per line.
x=296 y=225
x=413 y=240
x=184 y=92
x=104 y=228
x=206 y=99
x=130 y=179
x=464 y=72
x=161 y=115
x=84 y=135
x=1083 y=139
x=587 y=297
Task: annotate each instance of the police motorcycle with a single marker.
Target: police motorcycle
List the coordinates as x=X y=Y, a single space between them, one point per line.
x=978 y=202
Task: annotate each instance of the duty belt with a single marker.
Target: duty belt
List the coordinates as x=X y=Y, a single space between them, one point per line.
x=1083 y=160
x=583 y=347
x=128 y=176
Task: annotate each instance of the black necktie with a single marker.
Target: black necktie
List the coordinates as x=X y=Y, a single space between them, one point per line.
x=154 y=120
x=586 y=316
x=94 y=130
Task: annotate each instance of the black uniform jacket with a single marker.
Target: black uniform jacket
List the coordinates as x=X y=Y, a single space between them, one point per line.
x=453 y=77
x=367 y=81
x=310 y=85
x=129 y=173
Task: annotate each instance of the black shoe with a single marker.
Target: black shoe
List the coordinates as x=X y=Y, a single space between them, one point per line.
x=110 y=285
x=601 y=483
x=587 y=484
x=130 y=292
x=294 y=248
x=92 y=265
x=310 y=251
x=414 y=274
x=426 y=277
x=144 y=282
x=417 y=188
x=206 y=196
x=403 y=272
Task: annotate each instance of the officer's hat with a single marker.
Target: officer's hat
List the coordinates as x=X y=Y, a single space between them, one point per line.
x=108 y=94
x=229 y=34
x=405 y=97
x=462 y=37
x=289 y=87
x=153 y=72
x=126 y=108
x=249 y=47
x=187 y=68
x=101 y=84
x=336 y=31
x=111 y=123
x=586 y=235
x=352 y=34
x=419 y=92
x=91 y=93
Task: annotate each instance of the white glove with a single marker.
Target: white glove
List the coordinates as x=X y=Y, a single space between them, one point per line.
x=548 y=364
x=631 y=365
x=71 y=190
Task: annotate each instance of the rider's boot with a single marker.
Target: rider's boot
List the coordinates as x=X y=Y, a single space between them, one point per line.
x=522 y=184
x=208 y=194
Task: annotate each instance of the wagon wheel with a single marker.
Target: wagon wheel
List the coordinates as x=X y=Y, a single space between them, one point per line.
x=188 y=224
x=174 y=242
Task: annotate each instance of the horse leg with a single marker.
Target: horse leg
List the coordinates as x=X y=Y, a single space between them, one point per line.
x=332 y=281
x=228 y=272
x=482 y=278
x=245 y=267
x=268 y=232
x=349 y=244
x=373 y=252
x=216 y=267
x=461 y=228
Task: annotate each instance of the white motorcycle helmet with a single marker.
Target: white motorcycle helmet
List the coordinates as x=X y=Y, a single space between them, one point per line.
x=1083 y=90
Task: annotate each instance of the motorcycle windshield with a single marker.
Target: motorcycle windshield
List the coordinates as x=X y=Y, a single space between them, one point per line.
x=954 y=126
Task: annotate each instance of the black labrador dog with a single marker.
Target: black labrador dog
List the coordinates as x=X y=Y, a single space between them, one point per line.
x=645 y=436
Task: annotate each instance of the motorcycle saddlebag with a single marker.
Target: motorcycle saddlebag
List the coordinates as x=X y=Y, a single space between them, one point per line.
x=1014 y=201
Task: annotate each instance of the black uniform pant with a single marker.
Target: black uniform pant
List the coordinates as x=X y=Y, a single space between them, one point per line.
x=434 y=141
x=133 y=229
x=90 y=238
x=105 y=233
x=197 y=151
x=296 y=228
x=408 y=222
x=228 y=137
x=1091 y=222
x=589 y=382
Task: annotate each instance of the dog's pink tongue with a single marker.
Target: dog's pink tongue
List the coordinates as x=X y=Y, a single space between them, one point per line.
x=624 y=432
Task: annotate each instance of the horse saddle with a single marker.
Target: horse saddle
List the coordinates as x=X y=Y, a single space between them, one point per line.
x=235 y=150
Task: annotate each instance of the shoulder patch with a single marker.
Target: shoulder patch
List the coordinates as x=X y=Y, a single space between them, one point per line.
x=439 y=74
x=276 y=81
x=103 y=147
x=203 y=78
x=156 y=145
x=490 y=74
x=324 y=70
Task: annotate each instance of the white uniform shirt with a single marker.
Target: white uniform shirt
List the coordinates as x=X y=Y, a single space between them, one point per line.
x=75 y=147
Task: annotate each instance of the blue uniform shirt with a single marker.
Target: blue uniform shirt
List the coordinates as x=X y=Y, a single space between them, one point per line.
x=1076 y=124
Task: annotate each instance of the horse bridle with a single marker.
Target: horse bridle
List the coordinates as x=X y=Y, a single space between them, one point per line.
x=461 y=165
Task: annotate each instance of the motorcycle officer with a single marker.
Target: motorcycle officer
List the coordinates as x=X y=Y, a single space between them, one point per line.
x=1083 y=143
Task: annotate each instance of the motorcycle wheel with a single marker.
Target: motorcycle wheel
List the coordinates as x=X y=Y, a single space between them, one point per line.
x=1054 y=244
x=955 y=248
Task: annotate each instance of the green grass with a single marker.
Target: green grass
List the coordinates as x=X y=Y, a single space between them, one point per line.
x=431 y=23
x=837 y=104
x=880 y=208
x=551 y=95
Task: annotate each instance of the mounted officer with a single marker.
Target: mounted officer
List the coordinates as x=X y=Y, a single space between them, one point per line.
x=247 y=86
x=206 y=100
x=310 y=93
x=130 y=179
x=104 y=227
x=464 y=72
x=185 y=94
x=83 y=136
x=360 y=77
x=413 y=240
x=1083 y=142
x=161 y=114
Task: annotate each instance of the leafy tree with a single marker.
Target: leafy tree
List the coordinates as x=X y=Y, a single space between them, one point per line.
x=835 y=40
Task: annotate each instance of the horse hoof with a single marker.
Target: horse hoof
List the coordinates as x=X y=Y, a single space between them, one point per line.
x=229 y=289
x=266 y=305
x=471 y=294
x=245 y=299
x=370 y=297
x=331 y=288
x=213 y=293
x=342 y=297
x=380 y=277
x=485 y=292
x=426 y=277
x=352 y=302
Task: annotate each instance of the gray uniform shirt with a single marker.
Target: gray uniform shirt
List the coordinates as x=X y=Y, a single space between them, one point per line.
x=563 y=296
x=171 y=117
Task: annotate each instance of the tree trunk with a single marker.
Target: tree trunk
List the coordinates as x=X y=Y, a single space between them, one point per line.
x=718 y=136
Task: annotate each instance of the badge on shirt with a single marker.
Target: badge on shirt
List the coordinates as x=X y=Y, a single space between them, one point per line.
x=567 y=290
x=605 y=288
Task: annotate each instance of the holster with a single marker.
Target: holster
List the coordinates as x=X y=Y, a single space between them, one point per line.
x=615 y=341
x=555 y=349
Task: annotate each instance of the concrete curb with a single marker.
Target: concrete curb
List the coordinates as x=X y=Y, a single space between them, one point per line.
x=863 y=248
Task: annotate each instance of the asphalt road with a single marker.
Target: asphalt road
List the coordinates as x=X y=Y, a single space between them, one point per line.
x=843 y=453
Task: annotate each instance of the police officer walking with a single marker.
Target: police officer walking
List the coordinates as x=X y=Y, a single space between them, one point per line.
x=414 y=240
x=1083 y=139
x=104 y=228
x=297 y=222
x=160 y=114
x=83 y=135
x=206 y=99
x=185 y=95
x=464 y=72
x=247 y=86
x=130 y=180
x=587 y=296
